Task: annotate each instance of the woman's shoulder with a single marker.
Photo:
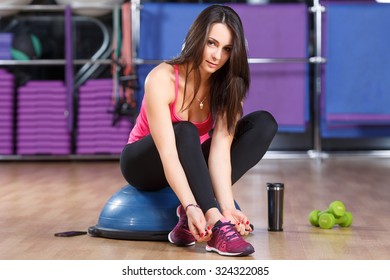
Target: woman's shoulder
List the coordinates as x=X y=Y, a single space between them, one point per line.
x=161 y=79
x=162 y=72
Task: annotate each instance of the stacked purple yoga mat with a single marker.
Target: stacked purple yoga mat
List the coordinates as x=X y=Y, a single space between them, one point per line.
x=42 y=119
x=6 y=112
x=96 y=132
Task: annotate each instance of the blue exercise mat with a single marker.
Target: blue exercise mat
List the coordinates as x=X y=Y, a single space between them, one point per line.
x=164 y=27
x=356 y=77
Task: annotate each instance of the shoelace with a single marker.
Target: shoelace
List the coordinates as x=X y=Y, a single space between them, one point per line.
x=228 y=231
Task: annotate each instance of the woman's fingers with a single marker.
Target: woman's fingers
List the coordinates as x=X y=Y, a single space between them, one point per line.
x=240 y=220
x=208 y=234
x=197 y=225
x=200 y=234
x=240 y=228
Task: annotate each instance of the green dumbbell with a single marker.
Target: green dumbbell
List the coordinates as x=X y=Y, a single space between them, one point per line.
x=328 y=221
x=313 y=217
x=336 y=208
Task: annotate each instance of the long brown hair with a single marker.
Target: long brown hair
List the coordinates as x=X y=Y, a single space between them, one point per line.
x=228 y=85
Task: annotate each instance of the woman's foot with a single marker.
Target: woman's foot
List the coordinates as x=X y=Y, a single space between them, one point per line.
x=227 y=241
x=181 y=235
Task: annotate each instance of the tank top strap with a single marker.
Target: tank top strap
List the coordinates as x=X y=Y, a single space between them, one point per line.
x=176 y=80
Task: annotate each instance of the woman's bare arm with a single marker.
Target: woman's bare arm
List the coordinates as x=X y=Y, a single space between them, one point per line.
x=221 y=173
x=159 y=93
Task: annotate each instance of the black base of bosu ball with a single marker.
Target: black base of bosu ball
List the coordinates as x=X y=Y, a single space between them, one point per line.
x=137 y=215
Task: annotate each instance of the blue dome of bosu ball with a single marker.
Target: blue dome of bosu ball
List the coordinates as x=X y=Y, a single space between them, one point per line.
x=138 y=215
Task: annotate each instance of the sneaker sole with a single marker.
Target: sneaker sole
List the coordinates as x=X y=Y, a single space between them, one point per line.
x=180 y=245
x=240 y=254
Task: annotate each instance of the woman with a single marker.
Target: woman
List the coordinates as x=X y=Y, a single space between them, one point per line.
x=190 y=134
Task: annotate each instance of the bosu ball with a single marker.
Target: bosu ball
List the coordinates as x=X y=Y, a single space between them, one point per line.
x=138 y=215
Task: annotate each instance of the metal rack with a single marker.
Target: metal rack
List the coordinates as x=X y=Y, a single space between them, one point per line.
x=317 y=11
x=53 y=9
x=87 y=65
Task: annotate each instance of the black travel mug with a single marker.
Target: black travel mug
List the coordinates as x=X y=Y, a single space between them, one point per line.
x=275 y=192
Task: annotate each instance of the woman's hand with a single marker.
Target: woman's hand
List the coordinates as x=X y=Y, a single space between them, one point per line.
x=197 y=224
x=239 y=219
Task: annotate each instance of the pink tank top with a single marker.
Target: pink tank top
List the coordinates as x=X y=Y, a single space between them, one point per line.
x=141 y=127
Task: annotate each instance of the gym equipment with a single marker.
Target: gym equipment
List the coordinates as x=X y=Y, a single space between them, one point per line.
x=26 y=46
x=337 y=208
x=138 y=215
x=313 y=217
x=41 y=118
x=126 y=81
x=328 y=221
x=6 y=112
x=335 y=214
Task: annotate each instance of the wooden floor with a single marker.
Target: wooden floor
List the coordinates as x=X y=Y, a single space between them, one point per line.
x=38 y=199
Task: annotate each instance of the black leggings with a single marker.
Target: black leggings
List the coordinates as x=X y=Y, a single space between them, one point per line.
x=142 y=168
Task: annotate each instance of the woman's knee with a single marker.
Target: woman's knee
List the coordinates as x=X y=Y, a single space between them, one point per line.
x=265 y=121
x=186 y=131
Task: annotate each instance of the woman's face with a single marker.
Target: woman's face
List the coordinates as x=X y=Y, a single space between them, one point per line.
x=217 y=49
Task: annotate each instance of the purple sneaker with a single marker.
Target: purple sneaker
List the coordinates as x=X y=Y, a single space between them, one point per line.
x=226 y=241
x=181 y=235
